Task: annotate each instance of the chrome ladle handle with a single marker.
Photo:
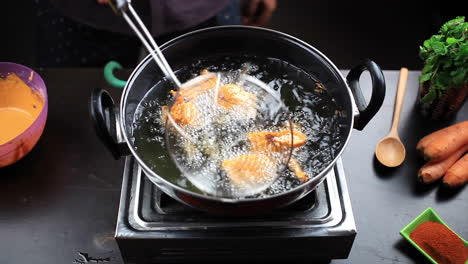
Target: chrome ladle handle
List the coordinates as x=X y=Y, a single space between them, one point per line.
x=127 y=11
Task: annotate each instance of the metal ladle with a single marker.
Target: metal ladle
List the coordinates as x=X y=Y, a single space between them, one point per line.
x=125 y=8
x=128 y=12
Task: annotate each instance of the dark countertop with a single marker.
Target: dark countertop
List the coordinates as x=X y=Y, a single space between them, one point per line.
x=62 y=198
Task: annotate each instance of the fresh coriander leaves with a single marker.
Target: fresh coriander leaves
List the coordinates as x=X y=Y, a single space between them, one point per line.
x=445 y=57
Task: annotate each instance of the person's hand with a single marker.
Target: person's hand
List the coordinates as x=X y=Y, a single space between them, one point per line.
x=258 y=12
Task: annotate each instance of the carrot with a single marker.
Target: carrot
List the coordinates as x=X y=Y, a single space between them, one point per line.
x=445 y=144
x=425 y=141
x=434 y=170
x=457 y=175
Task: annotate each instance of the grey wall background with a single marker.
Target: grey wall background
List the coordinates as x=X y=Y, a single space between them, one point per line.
x=388 y=32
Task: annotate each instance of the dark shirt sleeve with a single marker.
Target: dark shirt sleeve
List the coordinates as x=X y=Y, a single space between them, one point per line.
x=160 y=16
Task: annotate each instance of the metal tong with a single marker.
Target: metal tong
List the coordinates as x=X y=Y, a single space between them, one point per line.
x=124 y=7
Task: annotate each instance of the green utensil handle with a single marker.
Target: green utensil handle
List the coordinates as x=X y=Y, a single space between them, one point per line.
x=109 y=74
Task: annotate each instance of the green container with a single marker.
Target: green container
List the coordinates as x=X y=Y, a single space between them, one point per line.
x=428 y=215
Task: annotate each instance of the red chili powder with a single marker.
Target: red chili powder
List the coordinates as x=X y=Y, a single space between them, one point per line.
x=440 y=243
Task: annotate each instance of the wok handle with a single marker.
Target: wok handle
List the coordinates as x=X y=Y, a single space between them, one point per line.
x=106 y=122
x=367 y=111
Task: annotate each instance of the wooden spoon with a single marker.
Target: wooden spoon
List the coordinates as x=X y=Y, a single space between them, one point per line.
x=390 y=151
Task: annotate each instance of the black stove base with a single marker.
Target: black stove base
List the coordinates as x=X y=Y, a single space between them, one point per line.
x=153 y=228
x=240 y=251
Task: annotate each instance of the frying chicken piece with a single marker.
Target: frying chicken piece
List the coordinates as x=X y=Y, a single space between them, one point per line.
x=231 y=95
x=280 y=141
x=205 y=72
x=283 y=138
x=249 y=170
x=183 y=111
x=276 y=141
x=183 y=114
x=188 y=94
x=263 y=141
x=296 y=168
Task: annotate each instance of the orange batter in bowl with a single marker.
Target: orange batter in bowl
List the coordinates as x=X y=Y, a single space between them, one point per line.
x=19 y=107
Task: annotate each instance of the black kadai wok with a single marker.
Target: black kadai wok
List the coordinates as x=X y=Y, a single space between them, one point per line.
x=325 y=107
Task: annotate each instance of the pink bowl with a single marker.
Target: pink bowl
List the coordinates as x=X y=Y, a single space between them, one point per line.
x=18 y=147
